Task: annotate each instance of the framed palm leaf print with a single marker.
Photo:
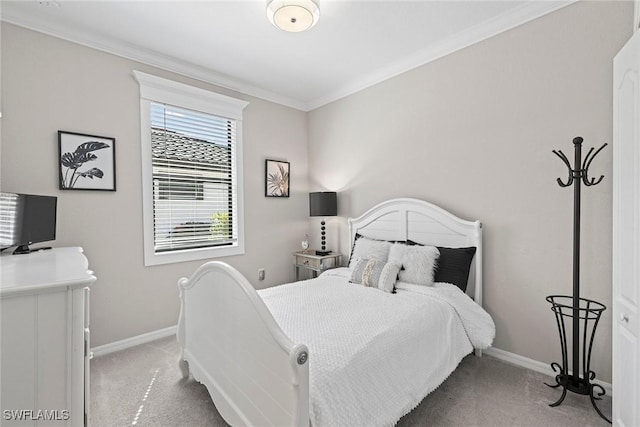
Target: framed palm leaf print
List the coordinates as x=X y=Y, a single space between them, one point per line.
x=276 y=178
x=86 y=162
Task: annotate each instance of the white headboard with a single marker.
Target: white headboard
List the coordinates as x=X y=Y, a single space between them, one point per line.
x=424 y=223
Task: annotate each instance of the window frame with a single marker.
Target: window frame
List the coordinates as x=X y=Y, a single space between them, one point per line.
x=160 y=90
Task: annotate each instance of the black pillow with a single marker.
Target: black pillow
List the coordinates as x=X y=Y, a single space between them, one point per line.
x=453 y=266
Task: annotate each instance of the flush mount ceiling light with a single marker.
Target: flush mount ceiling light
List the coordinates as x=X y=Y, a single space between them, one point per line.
x=293 y=15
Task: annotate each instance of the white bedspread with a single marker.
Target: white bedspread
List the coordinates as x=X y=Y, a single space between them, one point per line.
x=373 y=356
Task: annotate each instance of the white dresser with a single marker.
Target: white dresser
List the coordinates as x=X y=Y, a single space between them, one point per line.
x=44 y=341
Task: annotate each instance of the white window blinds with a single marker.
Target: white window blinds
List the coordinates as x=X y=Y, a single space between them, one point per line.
x=194 y=179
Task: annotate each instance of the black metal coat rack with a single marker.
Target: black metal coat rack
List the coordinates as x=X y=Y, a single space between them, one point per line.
x=584 y=313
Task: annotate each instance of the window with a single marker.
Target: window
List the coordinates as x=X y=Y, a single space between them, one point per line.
x=191 y=165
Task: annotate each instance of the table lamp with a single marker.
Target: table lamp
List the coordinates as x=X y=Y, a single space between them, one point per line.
x=323 y=203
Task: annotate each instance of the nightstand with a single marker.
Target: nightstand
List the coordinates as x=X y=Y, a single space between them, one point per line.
x=315 y=263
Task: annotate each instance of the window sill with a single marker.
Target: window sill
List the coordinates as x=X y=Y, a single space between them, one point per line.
x=152 y=258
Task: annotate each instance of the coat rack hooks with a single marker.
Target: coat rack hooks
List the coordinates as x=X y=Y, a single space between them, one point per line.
x=560 y=154
x=587 y=162
x=581 y=168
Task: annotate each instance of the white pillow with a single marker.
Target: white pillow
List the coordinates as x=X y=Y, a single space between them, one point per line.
x=366 y=248
x=417 y=263
x=375 y=274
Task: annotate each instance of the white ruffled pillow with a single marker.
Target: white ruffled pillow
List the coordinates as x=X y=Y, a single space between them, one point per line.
x=365 y=248
x=417 y=263
x=374 y=273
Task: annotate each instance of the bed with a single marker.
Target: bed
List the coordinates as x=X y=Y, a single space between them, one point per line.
x=329 y=352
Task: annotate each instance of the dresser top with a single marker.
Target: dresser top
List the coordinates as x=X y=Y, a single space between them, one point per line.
x=44 y=271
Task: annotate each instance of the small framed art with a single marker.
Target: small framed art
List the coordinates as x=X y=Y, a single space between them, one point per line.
x=276 y=178
x=86 y=162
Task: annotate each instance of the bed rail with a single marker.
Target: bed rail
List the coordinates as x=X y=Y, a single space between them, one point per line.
x=231 y=343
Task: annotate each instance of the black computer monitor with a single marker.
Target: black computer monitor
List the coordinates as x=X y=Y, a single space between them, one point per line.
x=26 y=219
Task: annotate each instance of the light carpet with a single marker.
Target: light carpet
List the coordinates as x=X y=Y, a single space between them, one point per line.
x=142 y=386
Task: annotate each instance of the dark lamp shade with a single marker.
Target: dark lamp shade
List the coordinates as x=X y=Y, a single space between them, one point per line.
x=324 y=203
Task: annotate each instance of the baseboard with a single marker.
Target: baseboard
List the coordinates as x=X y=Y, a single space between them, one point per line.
x=514 y=359
x=101 y=350
x=534 y=365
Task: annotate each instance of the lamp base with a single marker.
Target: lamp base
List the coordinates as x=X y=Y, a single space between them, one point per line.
x=323 y=253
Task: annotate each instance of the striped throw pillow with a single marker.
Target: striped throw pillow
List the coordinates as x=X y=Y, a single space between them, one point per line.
x=375 y=274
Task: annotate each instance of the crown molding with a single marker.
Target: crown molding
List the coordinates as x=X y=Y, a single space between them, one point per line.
x=148 y=57
x=473 y=35
x=478 y=33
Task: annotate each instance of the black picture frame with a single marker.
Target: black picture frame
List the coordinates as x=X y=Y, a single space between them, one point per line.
x=86 y=162
x=276 y=178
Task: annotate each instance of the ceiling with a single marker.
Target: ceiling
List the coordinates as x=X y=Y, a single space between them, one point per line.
x=355 y=44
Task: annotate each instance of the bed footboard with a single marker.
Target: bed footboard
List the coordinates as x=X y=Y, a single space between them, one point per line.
x=231 y=343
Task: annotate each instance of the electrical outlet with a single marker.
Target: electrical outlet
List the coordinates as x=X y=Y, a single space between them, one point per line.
x=261 y=274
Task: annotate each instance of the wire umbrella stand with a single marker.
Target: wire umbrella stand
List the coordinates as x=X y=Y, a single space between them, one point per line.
x=588 y=315
x=584 y=314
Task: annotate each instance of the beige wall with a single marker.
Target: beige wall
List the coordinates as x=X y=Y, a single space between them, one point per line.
x=50 y=85
x=473 y=133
